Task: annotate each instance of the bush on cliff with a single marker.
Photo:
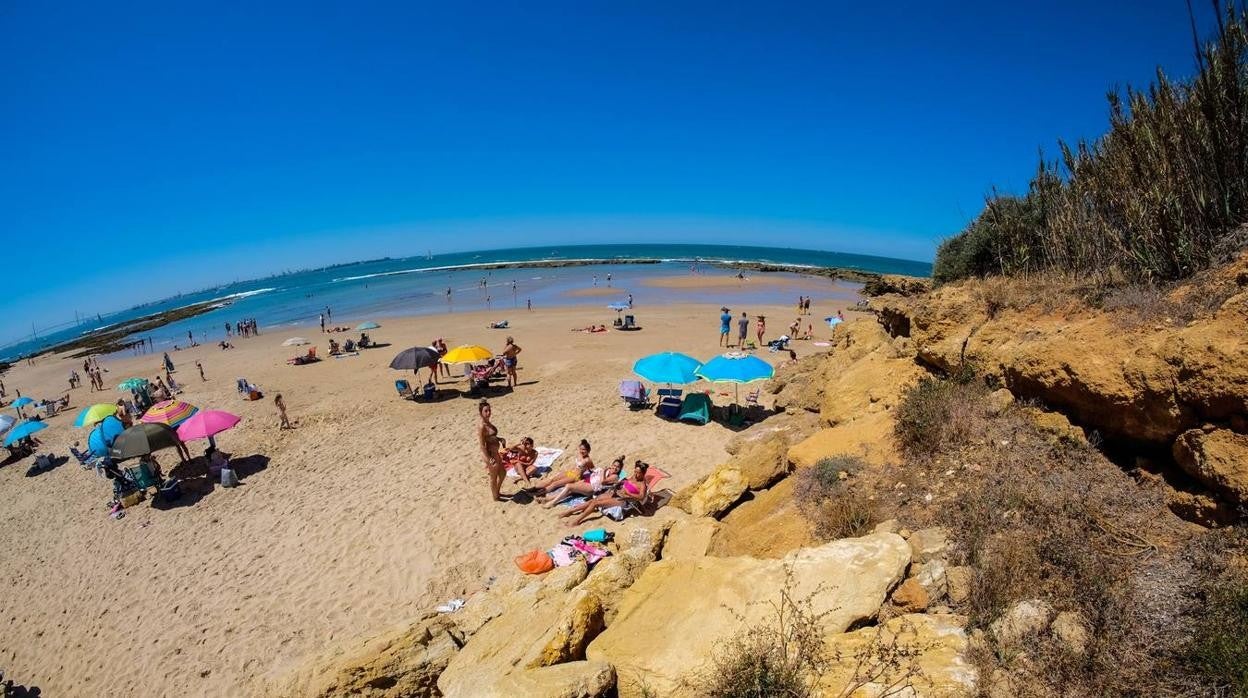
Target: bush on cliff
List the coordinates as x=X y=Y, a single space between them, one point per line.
x=827 y=500
x=1160 y=196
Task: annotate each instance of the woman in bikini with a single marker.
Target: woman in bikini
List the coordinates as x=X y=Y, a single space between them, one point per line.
x=584 y=464
x=761 y=329
x=491 y=447
x=631 y=489
x=509 y=361
x=521 y=457
x=599 y=481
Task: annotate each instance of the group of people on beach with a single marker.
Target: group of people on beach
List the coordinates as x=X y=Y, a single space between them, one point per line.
x=91 y=367
x=605 y=489
x=243 y=328
x=743 y=328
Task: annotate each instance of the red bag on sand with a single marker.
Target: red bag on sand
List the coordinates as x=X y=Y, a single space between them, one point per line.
x=535 y=562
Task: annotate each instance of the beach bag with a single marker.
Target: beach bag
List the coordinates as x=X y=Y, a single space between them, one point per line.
x=228 y=478
x=171 y=490
x=597 y=535
x=254 y=395
x=132 y=499
x=535 y=562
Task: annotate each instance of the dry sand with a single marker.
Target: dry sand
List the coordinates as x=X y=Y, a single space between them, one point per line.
x=370 y=512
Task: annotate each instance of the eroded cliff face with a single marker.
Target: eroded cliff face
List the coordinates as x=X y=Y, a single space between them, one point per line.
x=1145 y=385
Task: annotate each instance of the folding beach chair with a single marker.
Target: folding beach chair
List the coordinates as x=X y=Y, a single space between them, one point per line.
x=751 y=399
x=696 y=409
x=405 y=389
x=634 y=393
x=652 y=500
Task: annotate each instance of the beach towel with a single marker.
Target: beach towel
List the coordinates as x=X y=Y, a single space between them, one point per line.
x=574 y=500
x=545 y=459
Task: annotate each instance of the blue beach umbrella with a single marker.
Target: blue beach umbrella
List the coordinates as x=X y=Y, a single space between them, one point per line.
x=736 y=368
x=23 y=430
x=833 y=321
x=617 y=307
x=367 y=326
x=668 y=367
x=21 y=401
x=102 y=437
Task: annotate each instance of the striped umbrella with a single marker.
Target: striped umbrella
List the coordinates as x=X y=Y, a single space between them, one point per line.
x=171 y=412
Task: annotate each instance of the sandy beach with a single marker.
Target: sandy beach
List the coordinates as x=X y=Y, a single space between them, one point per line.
x=373 y=510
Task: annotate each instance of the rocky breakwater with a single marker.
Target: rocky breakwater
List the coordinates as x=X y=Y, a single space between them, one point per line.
x=1169 y=390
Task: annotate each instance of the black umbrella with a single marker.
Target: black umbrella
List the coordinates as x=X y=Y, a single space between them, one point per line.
x=415 y=358
x=142 y=439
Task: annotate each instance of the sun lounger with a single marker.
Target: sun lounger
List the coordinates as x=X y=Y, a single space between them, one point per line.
x=751 y=398
x=634 y=393
x=696 y=408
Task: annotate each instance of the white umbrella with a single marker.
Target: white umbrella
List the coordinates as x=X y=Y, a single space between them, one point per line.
x=295 y=342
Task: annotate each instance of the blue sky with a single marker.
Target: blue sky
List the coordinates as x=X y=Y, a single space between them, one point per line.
x=152 y=148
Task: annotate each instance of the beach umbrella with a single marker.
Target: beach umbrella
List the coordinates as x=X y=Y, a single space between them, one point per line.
x=668 y=367
x=90 y=415
x=617 y=307
x=370 y=325
x=23 y=430
x=467 y=354
x=207 y=423
x=103 y=435
x=132 y=384
x=142 y=439
x=171 y=412
x=833 y=321
x=6 y=422
x=295 y=342
x=21 y=401
x=736 y=368
x=414 y=359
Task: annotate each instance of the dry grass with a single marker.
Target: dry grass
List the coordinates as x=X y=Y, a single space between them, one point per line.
x=826 y=496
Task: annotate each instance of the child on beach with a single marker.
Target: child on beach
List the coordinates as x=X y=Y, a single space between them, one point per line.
x=201 y=371
x=281 y=411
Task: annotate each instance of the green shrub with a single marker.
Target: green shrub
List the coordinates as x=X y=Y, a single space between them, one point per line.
x=1220 y=646
x=1162 y=195
x=828 y=502
x=937 y=412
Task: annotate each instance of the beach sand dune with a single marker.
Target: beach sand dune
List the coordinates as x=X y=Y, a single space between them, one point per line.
x=370 y=512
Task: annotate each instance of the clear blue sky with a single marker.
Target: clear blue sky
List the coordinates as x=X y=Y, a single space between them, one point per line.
x=182 y=144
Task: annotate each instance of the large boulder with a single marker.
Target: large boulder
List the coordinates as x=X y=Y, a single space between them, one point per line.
x=571 y=680
x=874 y=383
x=769 y=525
x=714 y=494
x=690 y=538
x=1217 y=458
x=673 y=619
x=861 y=669
x=869 y=437
x=403 y=662
x=763 y=462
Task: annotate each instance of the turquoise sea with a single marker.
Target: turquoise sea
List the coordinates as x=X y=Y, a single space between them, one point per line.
x=418 y=285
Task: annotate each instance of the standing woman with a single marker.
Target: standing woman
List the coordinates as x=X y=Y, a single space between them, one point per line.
x=762 y=328
x=509 y=361
x=491 y=447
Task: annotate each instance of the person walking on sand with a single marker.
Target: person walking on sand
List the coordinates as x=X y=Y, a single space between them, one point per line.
x=491 y=450
x=201 y=371
x=528 y=302
x=322 y=322
x=630 y=301
x=725 y=327
x=743 y=329
x=509 y=361
x=284 y=422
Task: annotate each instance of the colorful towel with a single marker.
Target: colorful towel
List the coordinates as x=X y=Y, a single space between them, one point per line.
x=545 y=459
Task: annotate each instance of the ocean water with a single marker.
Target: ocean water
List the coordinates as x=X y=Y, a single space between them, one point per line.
x=418 y=285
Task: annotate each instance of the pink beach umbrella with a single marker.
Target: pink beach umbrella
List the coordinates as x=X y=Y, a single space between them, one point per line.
x=206 y=424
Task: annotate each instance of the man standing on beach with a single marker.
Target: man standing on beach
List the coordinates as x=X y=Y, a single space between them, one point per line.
x=725 y=326
x=743 y=329
x=201 y=371
x=322 y=322
x=630 y=301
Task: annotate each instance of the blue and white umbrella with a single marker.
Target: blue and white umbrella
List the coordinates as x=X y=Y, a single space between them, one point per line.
x=23 y=430
x=370 y=325
x=833 y=320
x=668 y=367
x=21 y=401
x=617 y=307
x=736 y=368
x=102 y=437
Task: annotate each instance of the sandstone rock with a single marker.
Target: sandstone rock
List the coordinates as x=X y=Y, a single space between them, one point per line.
x=673 y=618
x=571 y=680
x=639 y=541
x=869 y=437
x=1056 y=425
x=1072 y=631
x=690 y=538
x=764 y=462
x=716 y=493
x=873 y=383
x=928 y=544
x=910 y=597
x=999 y=401
x=769 y=525
x=571 y=632
x=1022 y=621
x=933 y=577
x=405 y=662
x=958 y=581
x=1218 y=459
x=889 y=526
x=938 y=669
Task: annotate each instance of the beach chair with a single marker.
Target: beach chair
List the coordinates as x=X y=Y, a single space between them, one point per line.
x=634 y=393
x=652 y=501
x=696 y=409
x=142 y=476
x=630 y=323
x=751 y=398
x=405 y=389
x=669 y=403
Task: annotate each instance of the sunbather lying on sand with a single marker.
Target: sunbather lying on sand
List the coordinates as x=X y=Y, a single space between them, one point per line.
x=590 y=328
x=600 y=480
x=566 y=477
x=631 y=489
x=521 y=457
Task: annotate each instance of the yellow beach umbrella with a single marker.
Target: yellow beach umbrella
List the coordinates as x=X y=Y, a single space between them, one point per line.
x=467 y=354
x=95 y=413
